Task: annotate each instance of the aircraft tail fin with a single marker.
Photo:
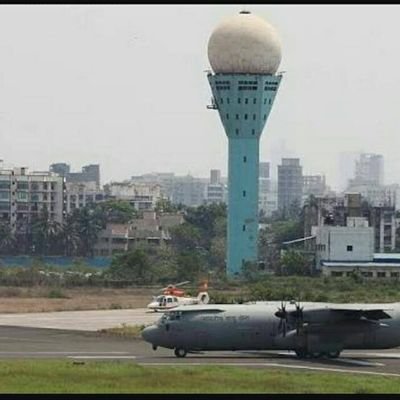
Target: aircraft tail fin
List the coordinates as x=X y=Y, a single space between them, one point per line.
x=203 y=298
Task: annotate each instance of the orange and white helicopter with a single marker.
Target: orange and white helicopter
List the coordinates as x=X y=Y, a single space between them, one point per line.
x=174 y=297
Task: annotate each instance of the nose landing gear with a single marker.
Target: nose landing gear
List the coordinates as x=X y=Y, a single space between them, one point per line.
x=180 y=352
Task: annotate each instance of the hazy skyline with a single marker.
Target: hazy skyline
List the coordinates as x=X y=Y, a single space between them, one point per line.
x=124 y=86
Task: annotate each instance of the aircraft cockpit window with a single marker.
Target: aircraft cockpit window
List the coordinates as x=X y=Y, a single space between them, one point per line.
x=175 y=315
x=175 y=299
x=169 y=300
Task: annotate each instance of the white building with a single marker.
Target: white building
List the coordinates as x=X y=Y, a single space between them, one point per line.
x=78 y=195
x=142 y=196
x=24 y=194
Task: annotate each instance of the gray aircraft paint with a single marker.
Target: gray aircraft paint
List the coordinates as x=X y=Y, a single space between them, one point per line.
x=326 y=327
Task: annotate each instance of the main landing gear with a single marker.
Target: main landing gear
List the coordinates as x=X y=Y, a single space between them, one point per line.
x=306 y=354
x=180 y=352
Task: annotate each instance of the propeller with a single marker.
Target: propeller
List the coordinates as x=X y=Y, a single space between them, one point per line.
x=299 y=317
x=282 y=314
x=175 y=285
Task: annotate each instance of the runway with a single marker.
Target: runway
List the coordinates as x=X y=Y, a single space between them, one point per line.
x=82 y=346
x=81 y=320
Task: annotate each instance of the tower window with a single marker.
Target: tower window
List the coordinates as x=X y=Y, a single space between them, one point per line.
x=222 y=100
x=244 y=228
x=245 y=116
x=227 y=100
x=244 y=159
x=265 y=117
x=239 y=100
x=237 y=131
x=349 y=248
x=227 y=116
x=265 y=101
x=253 y=131
x=254 y=117
x=269 y=101
x=246 y=101
x=237 y=116
x=254 y=101
x=244 y=193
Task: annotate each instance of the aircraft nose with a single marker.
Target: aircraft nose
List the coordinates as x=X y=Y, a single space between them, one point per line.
x=149 y=334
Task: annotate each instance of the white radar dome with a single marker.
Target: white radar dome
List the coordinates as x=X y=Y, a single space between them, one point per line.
x=244 y=43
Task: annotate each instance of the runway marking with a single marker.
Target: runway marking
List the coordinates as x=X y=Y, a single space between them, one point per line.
x=60 y=352
x=355 y=362
x=387 y=355
x=279 y=366
x=101 y=357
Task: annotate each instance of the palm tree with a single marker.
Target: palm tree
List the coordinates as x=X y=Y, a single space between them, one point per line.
x=90 y=222
x=70 y=234
x=7 y=239
x=44 y=231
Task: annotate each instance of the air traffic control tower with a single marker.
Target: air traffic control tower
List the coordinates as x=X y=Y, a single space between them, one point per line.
x=244 y=52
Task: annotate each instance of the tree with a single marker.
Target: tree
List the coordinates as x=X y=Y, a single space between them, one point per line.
x=134 y=266
x=90 y=222
x=44 y=232
x=284 y=231
x=7 y=239
x=190 y=266
x=117 y=211
x=164 y=205
x=251 y=271
x=70 y=234
x=204 y=219
x=185 y=237
x=295 y=263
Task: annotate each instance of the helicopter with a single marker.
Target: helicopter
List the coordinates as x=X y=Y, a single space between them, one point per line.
x=173 y=297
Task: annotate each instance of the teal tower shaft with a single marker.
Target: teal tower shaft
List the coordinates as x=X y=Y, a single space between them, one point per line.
x=244 y=102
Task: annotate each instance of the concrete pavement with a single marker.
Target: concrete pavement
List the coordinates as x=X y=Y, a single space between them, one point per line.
x=81 y=320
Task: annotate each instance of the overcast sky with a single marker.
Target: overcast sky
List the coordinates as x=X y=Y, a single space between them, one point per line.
x=124 y=86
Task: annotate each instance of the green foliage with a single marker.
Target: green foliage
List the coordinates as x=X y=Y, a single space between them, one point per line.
x=284 y=231
x=165 y=206
x=251 y=271
x=7 y=239
x=185 y=237
x=295 y=263
x=133 y=266
x=117 y=211
x=56 y=294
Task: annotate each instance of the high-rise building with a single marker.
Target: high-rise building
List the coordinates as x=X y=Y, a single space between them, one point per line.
x=368 y=170
x=290 y=183
x=24 y=194
x=264 y=182
x=215 y=189
x=61 y=169
x=90 y=173
x=215 y=176
x=244 y=52
x=314 y=184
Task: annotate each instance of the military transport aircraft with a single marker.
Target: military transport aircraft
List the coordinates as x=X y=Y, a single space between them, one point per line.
x=310 y=329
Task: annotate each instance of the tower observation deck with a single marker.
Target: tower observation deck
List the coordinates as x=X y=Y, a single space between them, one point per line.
x=244 y=53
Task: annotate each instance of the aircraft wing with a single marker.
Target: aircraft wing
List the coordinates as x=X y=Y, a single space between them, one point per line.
x=374 y=314
x=342 y=313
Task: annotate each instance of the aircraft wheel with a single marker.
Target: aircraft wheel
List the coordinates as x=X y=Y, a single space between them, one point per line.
x=154 y=347
x=333 y=354
x=180 y=352
x=301 y=353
